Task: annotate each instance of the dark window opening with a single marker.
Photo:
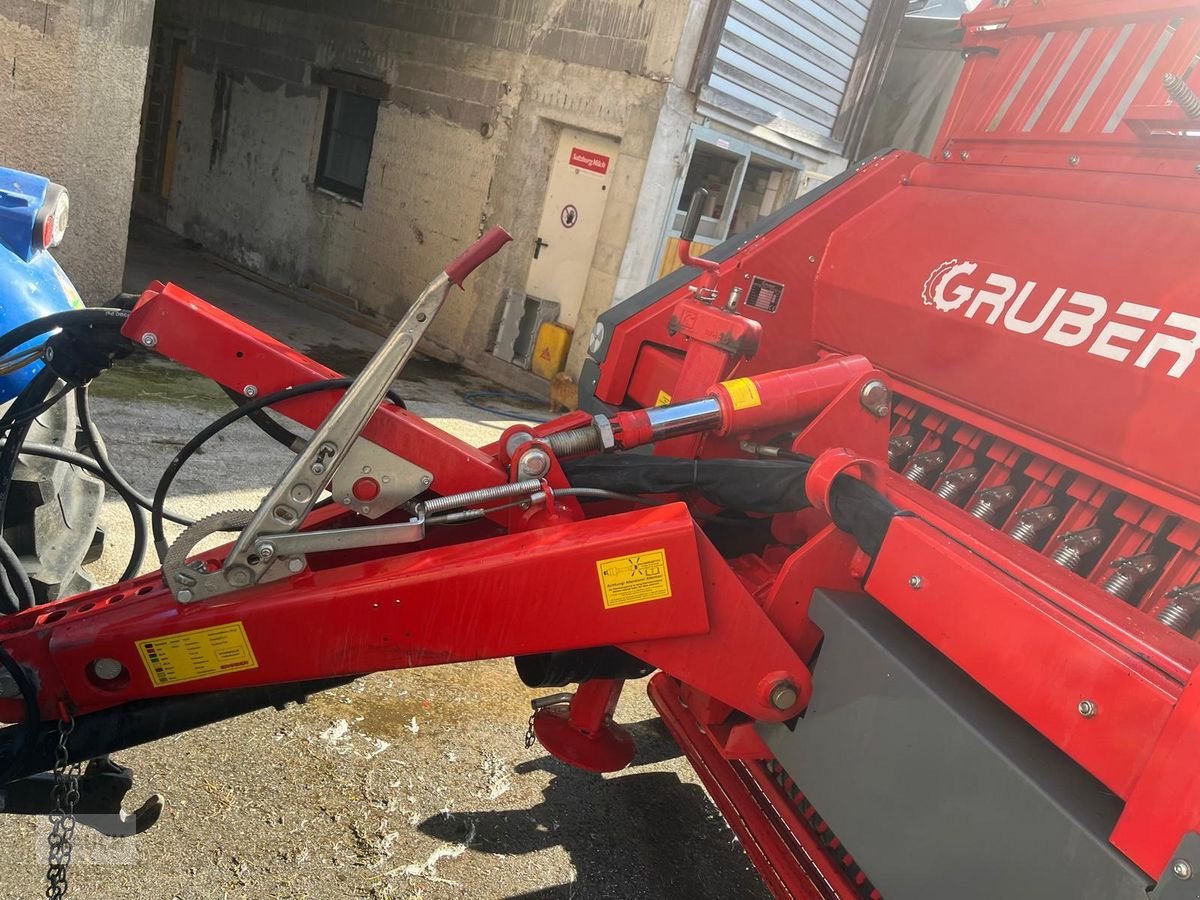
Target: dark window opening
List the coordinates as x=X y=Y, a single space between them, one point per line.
x=346 y=142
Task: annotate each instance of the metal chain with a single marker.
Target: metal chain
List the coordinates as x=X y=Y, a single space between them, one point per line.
x=65 y=794
x=530 y=737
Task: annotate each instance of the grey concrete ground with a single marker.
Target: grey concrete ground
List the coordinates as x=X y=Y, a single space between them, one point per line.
x=402 y=785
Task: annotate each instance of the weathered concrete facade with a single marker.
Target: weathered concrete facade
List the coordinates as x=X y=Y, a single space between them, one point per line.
x=476 y=92
x=74 y=72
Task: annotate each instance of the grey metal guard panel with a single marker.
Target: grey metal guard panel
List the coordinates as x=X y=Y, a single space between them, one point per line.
x=938 y=790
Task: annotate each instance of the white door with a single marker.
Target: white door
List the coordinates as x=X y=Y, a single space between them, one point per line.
x=566 y=240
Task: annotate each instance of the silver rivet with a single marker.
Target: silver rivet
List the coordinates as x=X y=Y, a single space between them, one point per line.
x=184 y=596
x=266 y=551
x=1182 y=869
x=964 y=155
x=301 y=493
x=250 y=390
x=1073 y=159
x=426 y=480
x=1197 y=169
x=1087 y=708
x=915 y=582
x=317 y=468
x=239 y=576
x=812 y=259
x=107 y=668
x=295 y=564
x=366 y=470
x=946 y=153
x=150 y=339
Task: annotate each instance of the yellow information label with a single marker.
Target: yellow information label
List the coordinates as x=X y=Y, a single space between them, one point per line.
x=743 y=393
x=663 y=399
x=191 y=655
x=636 y=578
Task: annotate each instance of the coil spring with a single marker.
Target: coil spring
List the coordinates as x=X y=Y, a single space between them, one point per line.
x=1068 y=556
x=1075 y=546
x=483 y=495
x=1129 y=570
x=574 y=442
x=1032 y=521
x=1120 y=585
x=919 y=468
x=1023 y=532
x=1175 y=616
x=1178 y=90
x=952 y=484
x=991 y=501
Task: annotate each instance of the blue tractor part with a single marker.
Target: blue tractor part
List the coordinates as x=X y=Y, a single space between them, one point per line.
x=33 y=217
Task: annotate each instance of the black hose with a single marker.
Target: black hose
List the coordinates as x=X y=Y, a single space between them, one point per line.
x=30 y=398
x=218 y=425
x=22 y=590
x=276 y=431
x=27 y=332
x=140 y=537
x=31 y=726
x=95 y=444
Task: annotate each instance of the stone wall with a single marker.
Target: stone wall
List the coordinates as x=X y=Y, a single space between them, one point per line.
x=475 y=93
x=73 y=73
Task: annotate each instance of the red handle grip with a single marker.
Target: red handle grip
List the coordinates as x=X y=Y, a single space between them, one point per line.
x=477 y=254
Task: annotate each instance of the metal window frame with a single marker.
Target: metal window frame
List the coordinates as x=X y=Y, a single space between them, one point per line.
x=323 y=180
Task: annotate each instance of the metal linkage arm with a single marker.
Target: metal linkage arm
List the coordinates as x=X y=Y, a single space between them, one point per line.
x=293 y=496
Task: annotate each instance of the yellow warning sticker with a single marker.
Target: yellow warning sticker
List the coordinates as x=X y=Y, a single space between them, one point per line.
x=636 y=578
x=663 y=399
x=743 y=393
x=191 y=655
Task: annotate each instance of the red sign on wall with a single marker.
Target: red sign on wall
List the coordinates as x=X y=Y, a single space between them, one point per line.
x=589 y=161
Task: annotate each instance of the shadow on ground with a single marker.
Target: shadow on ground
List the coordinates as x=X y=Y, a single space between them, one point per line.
x=633 y=835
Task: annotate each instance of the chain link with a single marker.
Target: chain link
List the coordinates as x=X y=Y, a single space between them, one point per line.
x=65 y=794
x=530 y=737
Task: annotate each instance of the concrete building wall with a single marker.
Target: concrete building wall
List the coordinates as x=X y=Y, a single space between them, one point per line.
x=477 y=90
x=74 y=71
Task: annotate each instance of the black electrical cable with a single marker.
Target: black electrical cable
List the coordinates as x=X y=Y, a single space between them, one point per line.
x=31 y=725
x=96 y=445
x=205 y=434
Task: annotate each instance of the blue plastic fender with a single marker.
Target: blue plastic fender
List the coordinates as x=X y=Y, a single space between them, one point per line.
x=32 y=284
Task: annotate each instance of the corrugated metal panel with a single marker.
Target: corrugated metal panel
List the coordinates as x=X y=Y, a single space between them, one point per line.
x=785 y=64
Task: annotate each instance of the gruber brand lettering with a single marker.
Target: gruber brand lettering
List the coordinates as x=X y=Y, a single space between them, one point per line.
x=1125 y=332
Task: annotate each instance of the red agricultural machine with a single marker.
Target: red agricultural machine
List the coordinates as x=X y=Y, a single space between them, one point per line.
x=895 y=494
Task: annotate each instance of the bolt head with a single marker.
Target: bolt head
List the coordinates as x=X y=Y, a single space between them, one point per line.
x=916 y=582
x=266 y=551
x=250 y=390
x=1181 y=869
x=106 y=668
x=1088 y=708
x=875 y=398
x=784 y=695
x=150 y=339
x=295 y=564
x=426 y=480
x=535 y=463
x=184 y=596
x=317 y=468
